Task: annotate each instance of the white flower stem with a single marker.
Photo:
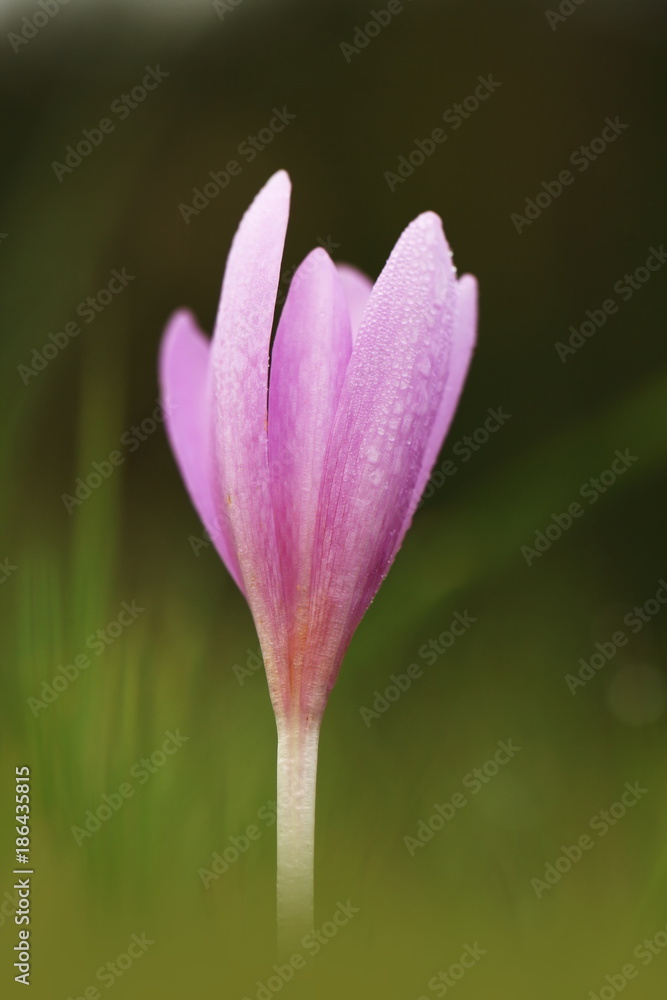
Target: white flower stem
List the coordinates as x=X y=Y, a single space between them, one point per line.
x=297 y=776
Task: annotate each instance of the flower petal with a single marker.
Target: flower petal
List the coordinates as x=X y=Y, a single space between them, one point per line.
x=357 y=288
x=386 y=412
x=240 y=359
x=184 y=368
x=308 y=362
x=463 y=343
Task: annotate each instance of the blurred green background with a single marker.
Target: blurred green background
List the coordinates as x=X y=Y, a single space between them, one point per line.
x=181 y=665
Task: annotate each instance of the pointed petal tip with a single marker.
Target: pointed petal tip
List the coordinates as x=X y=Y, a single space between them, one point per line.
x=430 y=224
x=470 y=281
x=182 y=344
x=280 y=181
x=273 y=197
x=320 y=258
x=179 y=325
x=316 y=263
x=422 y=248
x=177 y=320
x=427 y=231
x=429 y=218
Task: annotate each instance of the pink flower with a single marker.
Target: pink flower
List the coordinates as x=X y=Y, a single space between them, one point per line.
x=308 y=501
x=306 y=473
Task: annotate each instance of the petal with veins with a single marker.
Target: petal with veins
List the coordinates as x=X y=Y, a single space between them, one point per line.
x=463 y=342
x=186 y=398
x=308 y=363
x=386 y=412
x=357 y=288
x=240 y=359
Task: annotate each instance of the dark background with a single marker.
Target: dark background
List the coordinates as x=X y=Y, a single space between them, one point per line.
x=132 y=539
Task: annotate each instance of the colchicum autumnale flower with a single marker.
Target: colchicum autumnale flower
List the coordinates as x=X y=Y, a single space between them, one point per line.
x=306 y=473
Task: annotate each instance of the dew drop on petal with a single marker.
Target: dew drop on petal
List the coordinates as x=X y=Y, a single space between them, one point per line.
x=424 y=364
